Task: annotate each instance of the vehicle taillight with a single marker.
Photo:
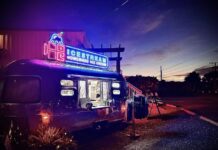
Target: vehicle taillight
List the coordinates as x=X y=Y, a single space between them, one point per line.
x=46 y=117
x=123 y=108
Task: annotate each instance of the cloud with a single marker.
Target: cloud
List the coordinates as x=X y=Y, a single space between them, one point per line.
x=216 y=50
x=147 y=25
x=148 y=22
x=160 y=52
x=138 y=25
x=181 y=75
x=126 y=64
x=123 y=65
x=203 y=70
x=170 y=50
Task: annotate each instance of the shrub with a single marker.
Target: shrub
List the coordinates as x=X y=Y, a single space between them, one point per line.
x=46 y=137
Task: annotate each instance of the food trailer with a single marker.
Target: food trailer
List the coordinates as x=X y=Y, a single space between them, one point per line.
x=71 y=88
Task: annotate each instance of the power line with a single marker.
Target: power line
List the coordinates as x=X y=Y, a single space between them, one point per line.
x=187 y=70
x=191 y=59
x=183 y=68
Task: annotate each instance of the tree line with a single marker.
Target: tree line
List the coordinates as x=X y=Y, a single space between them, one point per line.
x=193 y=84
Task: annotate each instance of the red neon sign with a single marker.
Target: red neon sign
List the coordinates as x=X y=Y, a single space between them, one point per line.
x=55 y=51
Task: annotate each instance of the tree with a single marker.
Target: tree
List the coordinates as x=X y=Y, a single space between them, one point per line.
x=193 y=82
x=210 y=82
x=144 y=83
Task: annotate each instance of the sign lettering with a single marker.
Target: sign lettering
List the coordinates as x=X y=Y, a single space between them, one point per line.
x=56 y=50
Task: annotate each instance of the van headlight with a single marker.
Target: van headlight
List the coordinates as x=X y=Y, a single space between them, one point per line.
x=116 y=92
x=67 y=92
x=115 y=85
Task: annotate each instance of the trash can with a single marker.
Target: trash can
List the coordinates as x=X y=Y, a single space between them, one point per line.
x=140 y=107
x=129 y=110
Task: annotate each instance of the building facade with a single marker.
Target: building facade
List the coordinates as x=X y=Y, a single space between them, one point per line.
x=28 y=44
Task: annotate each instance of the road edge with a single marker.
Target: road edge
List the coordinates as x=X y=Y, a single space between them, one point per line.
x=194 y=114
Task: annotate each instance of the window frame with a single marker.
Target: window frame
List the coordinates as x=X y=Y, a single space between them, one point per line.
x=23 y=76
x=86 y=94
x=109 y=93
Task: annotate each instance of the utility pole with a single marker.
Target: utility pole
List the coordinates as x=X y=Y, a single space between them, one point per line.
x=161 y=75
x=215 y=65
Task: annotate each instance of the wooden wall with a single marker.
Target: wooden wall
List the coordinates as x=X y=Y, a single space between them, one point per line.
x=28 y=44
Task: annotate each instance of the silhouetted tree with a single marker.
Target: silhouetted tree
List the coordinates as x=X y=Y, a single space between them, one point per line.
x=171 y=88
x=210 y=82
x=146 y=84
x=193 y=82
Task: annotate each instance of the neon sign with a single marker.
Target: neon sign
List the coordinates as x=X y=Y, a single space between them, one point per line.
x=55 y=49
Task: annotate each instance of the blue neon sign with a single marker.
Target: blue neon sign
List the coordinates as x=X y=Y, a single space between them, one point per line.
x=79 y=56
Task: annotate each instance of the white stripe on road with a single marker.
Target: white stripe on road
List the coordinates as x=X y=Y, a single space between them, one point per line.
x=194 y=114
x=209 y=120
x=171 y=105
x=189 y=112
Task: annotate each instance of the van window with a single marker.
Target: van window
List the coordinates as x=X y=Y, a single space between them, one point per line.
x=21 y=89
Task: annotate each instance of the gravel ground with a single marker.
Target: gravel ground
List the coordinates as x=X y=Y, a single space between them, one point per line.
x=175 y=130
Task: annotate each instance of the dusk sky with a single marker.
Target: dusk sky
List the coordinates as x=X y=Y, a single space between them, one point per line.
x=179 y=35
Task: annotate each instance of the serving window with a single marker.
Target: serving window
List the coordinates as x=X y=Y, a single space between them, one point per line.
x=98 y=93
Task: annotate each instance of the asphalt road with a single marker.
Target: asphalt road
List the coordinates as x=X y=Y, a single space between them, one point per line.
x=202 y=105
x=174 y=130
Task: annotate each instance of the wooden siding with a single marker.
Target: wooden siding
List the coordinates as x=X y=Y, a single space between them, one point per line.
x=28 y=44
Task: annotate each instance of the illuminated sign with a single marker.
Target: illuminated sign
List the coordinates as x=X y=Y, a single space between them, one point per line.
x=56 y=50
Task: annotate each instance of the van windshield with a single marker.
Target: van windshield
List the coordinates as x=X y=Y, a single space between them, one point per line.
x=20 y=89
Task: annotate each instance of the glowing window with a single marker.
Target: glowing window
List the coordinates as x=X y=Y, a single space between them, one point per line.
x=1 y=41
x=116 y=85
x=116 y=92
x=66 y=83
x=67 y=93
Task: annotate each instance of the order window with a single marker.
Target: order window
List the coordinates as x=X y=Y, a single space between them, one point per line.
x=94 y=92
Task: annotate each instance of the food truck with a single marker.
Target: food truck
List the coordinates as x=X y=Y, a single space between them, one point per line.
x=71 y=88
